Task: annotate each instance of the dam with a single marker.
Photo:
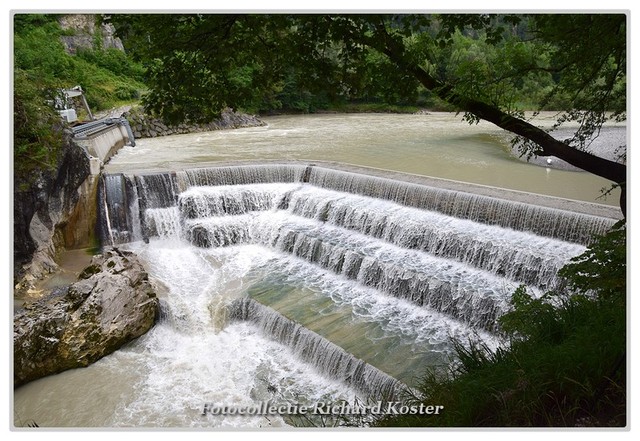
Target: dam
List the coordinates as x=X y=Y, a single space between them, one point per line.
x=309 y=281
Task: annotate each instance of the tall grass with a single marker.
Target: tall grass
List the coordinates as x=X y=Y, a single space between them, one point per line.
x=108 y=77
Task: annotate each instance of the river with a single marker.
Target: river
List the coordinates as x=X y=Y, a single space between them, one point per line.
x=438 y=144
x=388 y=283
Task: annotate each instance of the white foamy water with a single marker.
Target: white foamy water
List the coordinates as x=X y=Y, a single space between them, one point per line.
x=191 y=357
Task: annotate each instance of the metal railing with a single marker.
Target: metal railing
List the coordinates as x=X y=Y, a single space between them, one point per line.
x=93 y=128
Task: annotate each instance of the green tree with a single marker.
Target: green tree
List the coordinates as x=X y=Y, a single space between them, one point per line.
x=200 y=63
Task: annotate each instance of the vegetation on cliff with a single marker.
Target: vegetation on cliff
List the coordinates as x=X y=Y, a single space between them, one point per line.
x=41 y=68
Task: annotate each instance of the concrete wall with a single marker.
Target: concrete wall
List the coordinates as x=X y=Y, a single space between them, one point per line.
x=103 y=145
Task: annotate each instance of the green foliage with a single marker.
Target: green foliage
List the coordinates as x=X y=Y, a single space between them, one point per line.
x=291 y=97
x=37 y=128
x=533 y=317
x=41 y=69
x=108 y=77
x=587 y=60
x=38 y=49
x=21 y=22
x=199 y=64
x=508 y=73
x=565 y=362
x=114 y=61
x=603 y=267
x=103 y=89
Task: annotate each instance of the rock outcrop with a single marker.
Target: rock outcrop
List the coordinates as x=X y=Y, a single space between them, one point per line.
x=146 y=126
x=46 y=215
x=86 y=32
x=111 y=304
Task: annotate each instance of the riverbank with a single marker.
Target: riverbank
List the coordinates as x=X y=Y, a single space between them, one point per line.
x=144 y=125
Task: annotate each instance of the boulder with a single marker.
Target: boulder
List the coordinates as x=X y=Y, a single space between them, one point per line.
x=112 y=304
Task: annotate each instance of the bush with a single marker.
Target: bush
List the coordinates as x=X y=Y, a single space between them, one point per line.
x=126 y=92
x=114 y=61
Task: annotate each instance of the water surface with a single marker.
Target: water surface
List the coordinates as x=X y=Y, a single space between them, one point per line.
x=439 y=145
x=194 y=355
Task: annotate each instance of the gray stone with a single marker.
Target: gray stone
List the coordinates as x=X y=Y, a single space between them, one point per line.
x=83 y=27
x=109 y=40
x=146 y=126
x=77 y=325
x=44 y=211
x=73 y=43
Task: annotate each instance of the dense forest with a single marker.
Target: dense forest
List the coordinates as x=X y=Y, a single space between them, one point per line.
x=567 y=362
x=308 y=63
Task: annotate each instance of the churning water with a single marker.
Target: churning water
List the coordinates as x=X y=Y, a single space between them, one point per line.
x=300 y=284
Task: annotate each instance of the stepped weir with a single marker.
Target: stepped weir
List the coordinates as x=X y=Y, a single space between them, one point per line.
x=364 y=277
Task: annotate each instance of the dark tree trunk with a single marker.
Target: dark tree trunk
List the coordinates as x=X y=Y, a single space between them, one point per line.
x=549 y=146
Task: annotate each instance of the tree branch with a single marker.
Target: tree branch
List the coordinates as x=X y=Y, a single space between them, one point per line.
x=605 y=168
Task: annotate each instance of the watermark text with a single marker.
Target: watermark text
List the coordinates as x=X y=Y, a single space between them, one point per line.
x=323 y=408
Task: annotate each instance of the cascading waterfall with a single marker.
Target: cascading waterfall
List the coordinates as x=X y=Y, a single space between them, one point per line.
x=127 y=202
x=157 y=190
x=470 y=295
x=161 y=190
x=243 y=174
x=119 y=220
x=516 y=255
x=201 y=202
x=337 y=263
x=329 y=358
x=548 y=222
x=163 y=222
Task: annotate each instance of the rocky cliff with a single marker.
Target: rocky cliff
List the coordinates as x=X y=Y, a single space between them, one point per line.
x=112 y=304
x=46 y=214
x=87 y=33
